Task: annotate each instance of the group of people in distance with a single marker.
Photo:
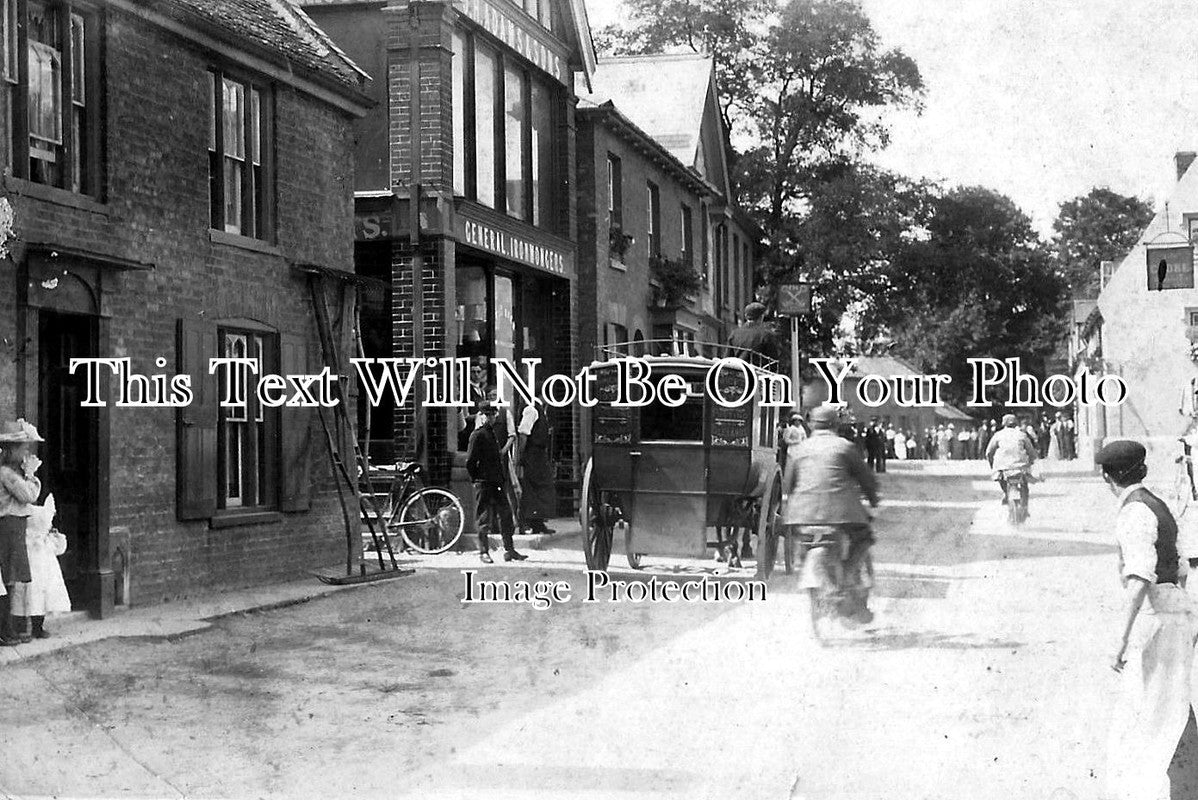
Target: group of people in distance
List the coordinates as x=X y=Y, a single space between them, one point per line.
x=509 y=464
x=880 y=440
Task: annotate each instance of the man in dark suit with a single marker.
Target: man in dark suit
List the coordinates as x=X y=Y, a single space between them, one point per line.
x=875 y=446
x=754 y=338
x=484 y=464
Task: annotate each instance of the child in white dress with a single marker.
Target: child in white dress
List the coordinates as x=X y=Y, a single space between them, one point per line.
x=47 y=592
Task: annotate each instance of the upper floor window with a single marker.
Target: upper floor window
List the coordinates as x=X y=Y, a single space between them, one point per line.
x=688 y=233
x=615 y=191
x=540 y=10
x=654 y=220
x=240 y=156
x=55 y=90
x=505 y=121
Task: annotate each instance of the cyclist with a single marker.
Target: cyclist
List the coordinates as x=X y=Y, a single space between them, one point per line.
x=823 y=485
x=1010 y=450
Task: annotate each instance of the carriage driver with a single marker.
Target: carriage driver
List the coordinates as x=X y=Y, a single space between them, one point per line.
x=823 y=485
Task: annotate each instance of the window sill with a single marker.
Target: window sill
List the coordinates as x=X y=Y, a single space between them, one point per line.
x=244 y=242
x=52 y=194
x=238 y=519
x=616 y=264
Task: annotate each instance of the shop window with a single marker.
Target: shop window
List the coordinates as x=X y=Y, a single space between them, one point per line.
x=654 y=220
x=55 y=141
x=239 y=153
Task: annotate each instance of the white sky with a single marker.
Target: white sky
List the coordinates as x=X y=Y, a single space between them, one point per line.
x=1040 y=99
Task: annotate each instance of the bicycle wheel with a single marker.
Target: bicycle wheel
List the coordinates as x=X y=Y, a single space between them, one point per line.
x=430 y=520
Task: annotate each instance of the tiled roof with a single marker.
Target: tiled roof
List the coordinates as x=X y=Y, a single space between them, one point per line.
x=638 y=87
x=269 y=28
x=885 y=366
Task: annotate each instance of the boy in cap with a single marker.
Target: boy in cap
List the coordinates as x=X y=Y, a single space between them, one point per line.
x=1149 y=722
x=484 y=464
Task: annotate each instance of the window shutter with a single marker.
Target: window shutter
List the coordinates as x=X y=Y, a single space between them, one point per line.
x=295 y=486
x=196 y=423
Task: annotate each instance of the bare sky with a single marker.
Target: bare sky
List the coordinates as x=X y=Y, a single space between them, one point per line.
x=1041 y=99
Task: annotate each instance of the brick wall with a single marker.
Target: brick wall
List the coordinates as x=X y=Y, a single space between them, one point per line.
x=403 y=337
x=156 y=211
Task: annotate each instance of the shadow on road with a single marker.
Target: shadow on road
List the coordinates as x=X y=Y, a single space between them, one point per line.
x=919 y=640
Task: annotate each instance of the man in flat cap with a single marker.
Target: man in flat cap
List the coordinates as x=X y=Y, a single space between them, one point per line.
x=754 y=338
x=823 y=486
x=1153 y=713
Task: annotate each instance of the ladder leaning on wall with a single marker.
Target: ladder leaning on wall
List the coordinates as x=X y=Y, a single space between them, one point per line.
x=356 y=505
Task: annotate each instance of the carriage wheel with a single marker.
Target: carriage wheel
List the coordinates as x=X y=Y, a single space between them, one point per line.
x=768 y=528
x=595 y=516
x=634 y=559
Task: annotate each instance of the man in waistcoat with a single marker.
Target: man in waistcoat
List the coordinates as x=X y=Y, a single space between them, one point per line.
x=1156 y=663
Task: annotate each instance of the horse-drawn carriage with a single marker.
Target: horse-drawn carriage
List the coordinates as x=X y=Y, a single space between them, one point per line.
x=675 y=481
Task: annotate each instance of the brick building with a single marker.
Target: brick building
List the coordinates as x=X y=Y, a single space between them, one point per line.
x=174 y=167
x=484 y=259
x=654 y=206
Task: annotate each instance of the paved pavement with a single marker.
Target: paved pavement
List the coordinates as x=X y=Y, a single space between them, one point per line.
x=985 y=676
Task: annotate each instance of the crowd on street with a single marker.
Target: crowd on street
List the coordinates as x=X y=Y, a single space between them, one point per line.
x=880 y=440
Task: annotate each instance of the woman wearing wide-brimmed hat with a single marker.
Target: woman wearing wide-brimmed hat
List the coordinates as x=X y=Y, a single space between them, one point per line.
x=19 y=490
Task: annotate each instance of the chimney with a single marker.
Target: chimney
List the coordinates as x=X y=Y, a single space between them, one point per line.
x=1183 y=159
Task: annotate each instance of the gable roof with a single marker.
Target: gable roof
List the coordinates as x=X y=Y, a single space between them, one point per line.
x=274 y=30
x=673 y=116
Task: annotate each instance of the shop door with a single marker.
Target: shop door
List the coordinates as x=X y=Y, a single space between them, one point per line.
x=70 y=432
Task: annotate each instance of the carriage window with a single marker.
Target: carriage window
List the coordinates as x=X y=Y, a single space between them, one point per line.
x=682 y=424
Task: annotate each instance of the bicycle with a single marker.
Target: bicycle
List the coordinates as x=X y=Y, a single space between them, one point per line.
x=1014 y=484
x=428 y=519
x=832 y=592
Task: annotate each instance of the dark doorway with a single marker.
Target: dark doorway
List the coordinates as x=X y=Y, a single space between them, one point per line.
x=70 y=431
x=373 y=260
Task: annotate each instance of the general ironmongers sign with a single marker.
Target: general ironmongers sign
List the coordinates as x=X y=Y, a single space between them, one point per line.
x=482 y=235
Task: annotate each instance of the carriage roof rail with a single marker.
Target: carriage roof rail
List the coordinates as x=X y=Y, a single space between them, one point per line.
x=673 y=348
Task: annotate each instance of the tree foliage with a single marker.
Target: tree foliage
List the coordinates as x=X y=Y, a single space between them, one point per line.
x=858 y=217
x=1099 y=226
x=980 y=283
x=821 y=76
